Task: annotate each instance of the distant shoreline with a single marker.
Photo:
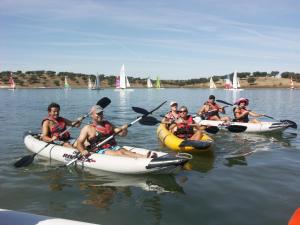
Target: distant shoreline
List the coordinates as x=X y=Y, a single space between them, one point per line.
x=81 y=82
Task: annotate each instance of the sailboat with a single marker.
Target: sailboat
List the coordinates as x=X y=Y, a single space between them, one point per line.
x=157 y=84
x=228 y=84
x=212 y=84
x=117 y=81
x=12 y=84
x=149 y=83
x=122 y=81
x=235 y=83
x=90 y=85
x=292 y=84
x=67 y=86
x=97 y=83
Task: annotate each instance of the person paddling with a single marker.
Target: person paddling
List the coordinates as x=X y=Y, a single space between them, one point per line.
x=172 y=115
x=241 y=113
x=210 y=110
x=99 y=130
x=54 y=125
x=185 y=127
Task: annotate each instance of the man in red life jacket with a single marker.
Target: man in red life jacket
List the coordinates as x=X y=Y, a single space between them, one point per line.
x=54 y=125
x=210 y=110
x=241 y=113
x=185 y=127
x=171 y=116
x=98 y=131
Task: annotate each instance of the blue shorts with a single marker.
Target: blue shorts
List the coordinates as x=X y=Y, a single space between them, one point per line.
x=112 y=148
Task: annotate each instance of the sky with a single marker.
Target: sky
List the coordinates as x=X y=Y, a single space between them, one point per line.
x=173 y=39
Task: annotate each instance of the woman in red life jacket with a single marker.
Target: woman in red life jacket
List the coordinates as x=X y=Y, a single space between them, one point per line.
x=171 y=116
x=185 y=127
x=54 y=125
x=241 y=113
x=210 y=110
x=98 y=131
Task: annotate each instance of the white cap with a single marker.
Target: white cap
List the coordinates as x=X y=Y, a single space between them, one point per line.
x=173 y=102
x=97 y=109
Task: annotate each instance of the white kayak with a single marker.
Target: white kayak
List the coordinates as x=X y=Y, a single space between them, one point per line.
x=164 y=163
x=9 y=217
x=262 y=127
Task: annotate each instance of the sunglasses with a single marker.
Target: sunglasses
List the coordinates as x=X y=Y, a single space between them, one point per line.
x=182 y=111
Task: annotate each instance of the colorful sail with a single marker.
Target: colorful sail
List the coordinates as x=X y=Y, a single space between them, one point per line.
x=117 y=81
x=228 y=83
x=157 y=85
x=11 y=82
x=67 y=86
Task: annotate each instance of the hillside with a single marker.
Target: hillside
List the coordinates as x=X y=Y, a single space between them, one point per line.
x=50 y=79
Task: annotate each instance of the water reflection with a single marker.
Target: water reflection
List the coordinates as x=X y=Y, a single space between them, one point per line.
x=202 y=162
x=101 y=189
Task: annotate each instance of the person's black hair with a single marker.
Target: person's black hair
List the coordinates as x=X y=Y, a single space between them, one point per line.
x=211 y=97
x=53 y=105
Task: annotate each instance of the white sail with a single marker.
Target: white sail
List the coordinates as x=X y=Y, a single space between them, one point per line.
x=235 y=80
x=149 y=83
x=123 y=77
x=238 y=83
x=90 y=85
x=97 y=82
x=292 y=83
x=12 y=84
x=127 y=82
x=212 y=84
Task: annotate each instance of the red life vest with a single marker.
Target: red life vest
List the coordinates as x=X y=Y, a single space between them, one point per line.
x=102 y=132
x=213 y=110
x=244 y=119
x=58 y=127
x=184 y=130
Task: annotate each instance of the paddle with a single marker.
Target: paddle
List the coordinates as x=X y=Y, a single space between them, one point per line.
x=291 y=123
x=195 y=144
x=226 y=103
x=140 y=110
x=150 y=121
x=28 y=159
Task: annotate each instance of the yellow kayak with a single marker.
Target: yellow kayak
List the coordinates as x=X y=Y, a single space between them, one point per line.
x=177 y=144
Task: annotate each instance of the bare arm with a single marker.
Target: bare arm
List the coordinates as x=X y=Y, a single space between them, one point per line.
x=202 y=110
x=254 y=114
x=83 y=136
x=75 y=123
x=46 y=132
x=123 y=132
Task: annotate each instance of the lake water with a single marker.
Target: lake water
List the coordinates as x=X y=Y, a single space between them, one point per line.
x=262 y=188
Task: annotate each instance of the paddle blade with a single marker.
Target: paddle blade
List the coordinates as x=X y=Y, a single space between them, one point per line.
x=236 y=128
x=140 y=110
x=226 y=103
x=195 y=144
x=103 y=102
x=24 y=161
x=212 y=129
x=149 y=121
x=292 y=124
